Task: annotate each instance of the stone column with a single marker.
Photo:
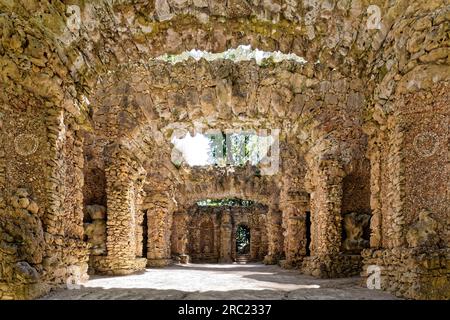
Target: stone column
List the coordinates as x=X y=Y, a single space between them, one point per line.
x=140 y=212
x=263 y=250
x=179 y=236
x=225 y=237
x=255 y=243
x=160 y=214
x=326 y=211
x=326 y=230
x=294 y=209
x=63 y=219
x=274 y=235
x=374 y=154
x=124 y=176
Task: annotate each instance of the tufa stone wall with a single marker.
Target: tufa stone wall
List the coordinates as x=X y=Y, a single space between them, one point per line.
x=208 y=234
x=375 y=92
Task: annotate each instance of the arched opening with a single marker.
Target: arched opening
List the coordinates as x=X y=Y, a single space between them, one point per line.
x=117 y=102
x=242 y=240
x=220 y=231
x=308 y=233
x=145 y=235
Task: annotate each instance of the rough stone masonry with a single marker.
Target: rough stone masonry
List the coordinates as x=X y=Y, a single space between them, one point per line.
x=87 y=113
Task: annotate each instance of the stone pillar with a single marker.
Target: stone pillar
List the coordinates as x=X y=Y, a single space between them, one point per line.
x=140 y=212
x=225 y=237
x=255 y=243
x=263 y=250
x=325 y=184
x=179 y=236
x=326 y=211
x=295 y=206
x=124 y=185
x=274 y=235
x=160 y=214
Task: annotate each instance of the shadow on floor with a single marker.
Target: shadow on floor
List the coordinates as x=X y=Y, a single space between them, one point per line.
x=271 y=273
x=93 y=293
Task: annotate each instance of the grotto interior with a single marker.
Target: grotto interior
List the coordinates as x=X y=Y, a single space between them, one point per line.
x=95 y=94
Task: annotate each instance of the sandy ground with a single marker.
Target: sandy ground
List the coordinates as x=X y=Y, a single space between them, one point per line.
x=219 y=281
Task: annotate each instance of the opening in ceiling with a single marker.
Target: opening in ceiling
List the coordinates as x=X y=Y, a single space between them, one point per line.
x=231 y=202
x=221 y=149
x=241 y=53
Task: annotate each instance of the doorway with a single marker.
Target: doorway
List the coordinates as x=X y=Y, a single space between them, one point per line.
x=242 y=240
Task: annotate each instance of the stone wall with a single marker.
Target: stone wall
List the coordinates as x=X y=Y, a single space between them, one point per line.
x=416 y=273
x=100 y=77
x=208 y=234
x=47 y=249
x=295 y=206
x=409 y=172
x=95 y=229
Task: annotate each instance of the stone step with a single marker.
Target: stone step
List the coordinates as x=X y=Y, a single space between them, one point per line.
x=243 y=258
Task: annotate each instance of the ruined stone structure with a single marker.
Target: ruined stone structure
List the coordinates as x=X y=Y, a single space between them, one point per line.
x=87 y=115
x=208 y=234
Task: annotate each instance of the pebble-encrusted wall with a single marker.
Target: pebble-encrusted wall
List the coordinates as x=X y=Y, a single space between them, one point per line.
x=98 y=86
x=125 y=178
x=46 y=247
x=208 y=234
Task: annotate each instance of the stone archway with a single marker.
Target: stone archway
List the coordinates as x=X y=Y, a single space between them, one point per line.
x=243 y=240
x=214 y=226
x=92 y=78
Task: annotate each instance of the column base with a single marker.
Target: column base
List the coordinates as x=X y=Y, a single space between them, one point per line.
x=117 y=267
x=159 y=263
x=182 y=259
x=286 y=264
x=271 y=259
x=332 y=266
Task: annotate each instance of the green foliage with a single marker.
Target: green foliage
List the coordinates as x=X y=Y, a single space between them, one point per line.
x=242 y=239
x=225 y=202
x=237 y=149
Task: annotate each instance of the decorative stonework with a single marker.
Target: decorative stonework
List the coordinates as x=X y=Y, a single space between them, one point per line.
x=103 y=110
x=125 y=178
x=208 y=234
x=26 y=144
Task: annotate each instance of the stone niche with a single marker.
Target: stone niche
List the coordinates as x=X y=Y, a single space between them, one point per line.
x=208 y=233
x=356 y=232
x=95 y=229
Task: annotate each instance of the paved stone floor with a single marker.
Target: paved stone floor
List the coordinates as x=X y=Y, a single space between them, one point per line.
x=219 y=281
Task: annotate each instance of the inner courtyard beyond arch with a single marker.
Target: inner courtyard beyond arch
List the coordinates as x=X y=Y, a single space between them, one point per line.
x=318 y=155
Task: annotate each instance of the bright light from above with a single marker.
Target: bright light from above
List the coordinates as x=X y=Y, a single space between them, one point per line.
x=241 y=53
x=235 y=149
x=195 y=150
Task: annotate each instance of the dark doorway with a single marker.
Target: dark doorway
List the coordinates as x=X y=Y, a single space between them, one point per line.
x=308 y=232
x=242 y=240
x=144 y=235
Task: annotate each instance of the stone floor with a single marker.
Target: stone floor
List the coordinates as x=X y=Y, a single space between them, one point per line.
x=219 y=281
